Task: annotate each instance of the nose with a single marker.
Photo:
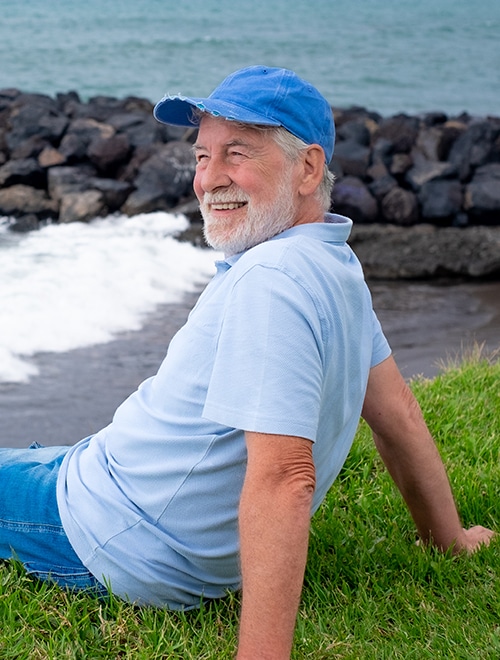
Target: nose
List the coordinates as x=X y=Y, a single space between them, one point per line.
x=211 y=175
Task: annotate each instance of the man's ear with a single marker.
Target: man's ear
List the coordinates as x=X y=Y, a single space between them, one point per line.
x=313 y=161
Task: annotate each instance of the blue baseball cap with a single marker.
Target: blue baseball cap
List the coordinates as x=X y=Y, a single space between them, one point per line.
x=264 y=96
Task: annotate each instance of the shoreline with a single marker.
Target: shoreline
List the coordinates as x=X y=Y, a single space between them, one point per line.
x=77 y=392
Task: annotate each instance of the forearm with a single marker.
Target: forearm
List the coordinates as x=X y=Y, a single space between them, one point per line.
x=274 y=532
x=411 y=456
x=419 y=473
x=274 y=518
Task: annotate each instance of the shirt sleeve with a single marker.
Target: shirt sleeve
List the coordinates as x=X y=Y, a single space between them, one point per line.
x=381 y=349
x=268 y=370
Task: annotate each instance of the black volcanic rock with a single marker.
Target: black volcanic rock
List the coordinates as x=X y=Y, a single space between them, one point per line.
x=430 y=184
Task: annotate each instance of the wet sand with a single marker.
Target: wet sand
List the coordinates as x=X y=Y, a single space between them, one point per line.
x=77 y=392
x=429 y=324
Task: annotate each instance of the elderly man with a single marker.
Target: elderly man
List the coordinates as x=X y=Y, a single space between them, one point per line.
x=206 y=479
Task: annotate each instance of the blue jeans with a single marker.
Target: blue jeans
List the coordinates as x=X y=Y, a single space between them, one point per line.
x=30 y=526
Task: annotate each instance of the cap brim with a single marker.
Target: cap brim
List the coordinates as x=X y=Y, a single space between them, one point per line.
x=178 y=110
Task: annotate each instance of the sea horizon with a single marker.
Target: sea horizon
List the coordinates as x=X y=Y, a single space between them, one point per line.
x=389 y=57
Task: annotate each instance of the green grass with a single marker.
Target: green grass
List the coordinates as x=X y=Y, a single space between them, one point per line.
x=370 y=592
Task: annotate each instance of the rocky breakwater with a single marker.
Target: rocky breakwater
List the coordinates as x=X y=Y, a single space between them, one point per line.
x=65 y=160
x=424 y=192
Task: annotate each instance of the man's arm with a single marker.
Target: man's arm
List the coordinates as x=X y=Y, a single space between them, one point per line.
x=409 y=452
x=274 y=518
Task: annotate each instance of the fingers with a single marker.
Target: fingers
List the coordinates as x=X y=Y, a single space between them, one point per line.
x=471 y=540
x=477 y=536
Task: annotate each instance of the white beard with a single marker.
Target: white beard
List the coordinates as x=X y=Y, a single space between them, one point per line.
x=262 y=221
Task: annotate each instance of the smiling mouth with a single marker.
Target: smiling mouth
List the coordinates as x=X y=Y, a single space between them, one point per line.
x=227 y=206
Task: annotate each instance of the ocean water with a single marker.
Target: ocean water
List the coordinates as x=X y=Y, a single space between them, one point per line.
x=71 y=286
x=388 y=55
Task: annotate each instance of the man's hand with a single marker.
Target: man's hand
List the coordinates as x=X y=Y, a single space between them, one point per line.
x=473 y=539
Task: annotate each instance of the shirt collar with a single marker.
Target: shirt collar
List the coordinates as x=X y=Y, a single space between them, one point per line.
x=334 y=229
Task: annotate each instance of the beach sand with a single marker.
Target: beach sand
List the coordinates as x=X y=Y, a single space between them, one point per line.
x=77 y=392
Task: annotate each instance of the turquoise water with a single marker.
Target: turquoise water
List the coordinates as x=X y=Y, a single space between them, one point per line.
x=387 y=55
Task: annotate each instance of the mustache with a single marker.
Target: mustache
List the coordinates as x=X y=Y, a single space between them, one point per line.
x=233 y=194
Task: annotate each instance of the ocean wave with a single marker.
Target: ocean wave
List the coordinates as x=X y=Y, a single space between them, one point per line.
x=75 y=285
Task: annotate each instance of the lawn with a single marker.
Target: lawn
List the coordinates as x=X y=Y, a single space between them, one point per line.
x=370 y=591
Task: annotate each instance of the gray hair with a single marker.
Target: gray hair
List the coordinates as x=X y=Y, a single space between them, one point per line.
x=291 y=147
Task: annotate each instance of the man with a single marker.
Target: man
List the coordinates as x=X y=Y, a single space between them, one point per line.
x=207 y=477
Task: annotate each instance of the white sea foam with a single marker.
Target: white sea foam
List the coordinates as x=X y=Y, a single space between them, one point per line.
x=70 y=286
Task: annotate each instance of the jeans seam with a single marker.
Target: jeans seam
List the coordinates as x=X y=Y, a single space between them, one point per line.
x=58 y=571
x=20 y=526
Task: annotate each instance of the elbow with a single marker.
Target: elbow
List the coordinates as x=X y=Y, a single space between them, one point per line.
x=294 y=482
x=300 y=486
x=304 y=490
x=280 y=468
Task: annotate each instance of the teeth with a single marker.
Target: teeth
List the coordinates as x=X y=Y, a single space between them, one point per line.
x=228 y=206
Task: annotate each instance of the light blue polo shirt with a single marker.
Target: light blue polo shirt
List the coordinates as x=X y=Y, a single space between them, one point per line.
x=281 y=341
